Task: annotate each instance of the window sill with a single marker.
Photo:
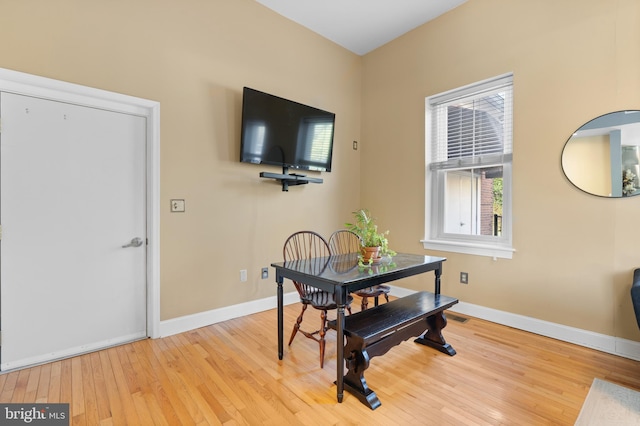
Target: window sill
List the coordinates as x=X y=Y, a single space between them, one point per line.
x=470 y=248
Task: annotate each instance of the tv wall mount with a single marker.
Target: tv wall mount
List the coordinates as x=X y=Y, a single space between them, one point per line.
x=289 y=179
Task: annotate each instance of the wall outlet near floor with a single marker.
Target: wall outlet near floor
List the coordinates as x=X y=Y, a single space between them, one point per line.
x=265 y=273
x=243 y=275
x=464 y=277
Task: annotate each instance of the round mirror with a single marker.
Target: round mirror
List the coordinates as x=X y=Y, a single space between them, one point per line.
x=602 y=157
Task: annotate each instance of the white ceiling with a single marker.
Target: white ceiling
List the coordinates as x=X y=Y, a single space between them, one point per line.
x=361 y=25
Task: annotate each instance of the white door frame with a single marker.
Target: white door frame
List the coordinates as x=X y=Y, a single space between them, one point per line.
x=42 y=87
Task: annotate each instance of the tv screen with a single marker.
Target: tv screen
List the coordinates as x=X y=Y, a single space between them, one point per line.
x=285 y=133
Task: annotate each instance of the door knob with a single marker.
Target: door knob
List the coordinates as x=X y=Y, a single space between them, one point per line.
x=135 y=242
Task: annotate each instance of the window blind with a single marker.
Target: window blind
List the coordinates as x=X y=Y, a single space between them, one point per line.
x=473 y=126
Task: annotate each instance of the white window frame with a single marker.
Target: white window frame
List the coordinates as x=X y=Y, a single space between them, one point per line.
x=435 y=237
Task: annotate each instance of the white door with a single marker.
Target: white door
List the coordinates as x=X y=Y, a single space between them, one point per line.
x=459 y=203
x=72 y=194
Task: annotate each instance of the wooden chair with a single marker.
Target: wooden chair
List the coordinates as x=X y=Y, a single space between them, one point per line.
x=635 y=294
x=344 y=241
x=307 y=245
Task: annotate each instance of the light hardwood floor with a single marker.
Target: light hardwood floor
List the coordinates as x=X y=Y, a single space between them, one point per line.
x=229 y=373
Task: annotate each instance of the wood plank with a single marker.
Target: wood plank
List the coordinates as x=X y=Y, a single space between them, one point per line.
x=161 y=389
x=55 y=382
x=120 y=382
x=66 y=394
x=31 y=390
x=9 y=386
x=43 y=383
x=21 y=386
x=112 y=400
x=100 y=388
x=77 y=406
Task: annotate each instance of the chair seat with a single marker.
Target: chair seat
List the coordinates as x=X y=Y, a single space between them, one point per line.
x=323 y=300
x=375 y=291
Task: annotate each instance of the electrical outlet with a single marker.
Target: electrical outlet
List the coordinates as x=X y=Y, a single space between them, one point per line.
x=464 y=277
x=243 y=275
x=265 y=273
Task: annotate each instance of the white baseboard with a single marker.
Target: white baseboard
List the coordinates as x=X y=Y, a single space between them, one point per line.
x=609 y=344
x=6 y=367
x=602 y=342
x=203 y=319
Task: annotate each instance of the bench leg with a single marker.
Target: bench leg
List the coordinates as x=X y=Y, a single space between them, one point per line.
x=433 y=337
x=357 y=360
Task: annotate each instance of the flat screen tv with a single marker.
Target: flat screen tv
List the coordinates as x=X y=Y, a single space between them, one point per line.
x=280 y=132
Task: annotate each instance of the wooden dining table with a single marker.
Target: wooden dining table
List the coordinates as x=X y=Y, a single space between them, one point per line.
x=341 y=275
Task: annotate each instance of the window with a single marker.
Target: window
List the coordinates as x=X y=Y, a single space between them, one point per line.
x=468 y=169
x=315 y=137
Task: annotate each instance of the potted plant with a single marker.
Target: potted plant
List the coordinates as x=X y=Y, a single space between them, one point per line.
x=374 y=244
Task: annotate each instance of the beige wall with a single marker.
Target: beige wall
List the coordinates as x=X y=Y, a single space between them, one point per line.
x=194 y=57
x=573 y=60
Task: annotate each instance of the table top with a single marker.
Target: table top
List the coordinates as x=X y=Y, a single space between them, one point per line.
x=343 y=270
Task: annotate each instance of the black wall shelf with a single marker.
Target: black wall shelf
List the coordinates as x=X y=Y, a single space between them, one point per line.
x=289 y=179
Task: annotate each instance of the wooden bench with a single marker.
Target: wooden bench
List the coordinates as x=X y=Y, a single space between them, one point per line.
x=376 y=330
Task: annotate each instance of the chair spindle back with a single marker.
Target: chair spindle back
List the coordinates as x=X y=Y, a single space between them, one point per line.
x=305 y=245
x=344 y=241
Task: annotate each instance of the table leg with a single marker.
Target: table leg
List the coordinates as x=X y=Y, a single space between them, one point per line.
x=340 y=349
x=438 y=272
x=280 y=318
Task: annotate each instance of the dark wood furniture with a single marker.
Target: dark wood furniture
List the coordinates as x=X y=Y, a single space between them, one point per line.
x=373 y=332
x=344 y=241
x=307 y=245
x=635 y=294
x=340 y=275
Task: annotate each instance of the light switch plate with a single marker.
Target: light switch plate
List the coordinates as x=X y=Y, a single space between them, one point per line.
x=177 y=206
